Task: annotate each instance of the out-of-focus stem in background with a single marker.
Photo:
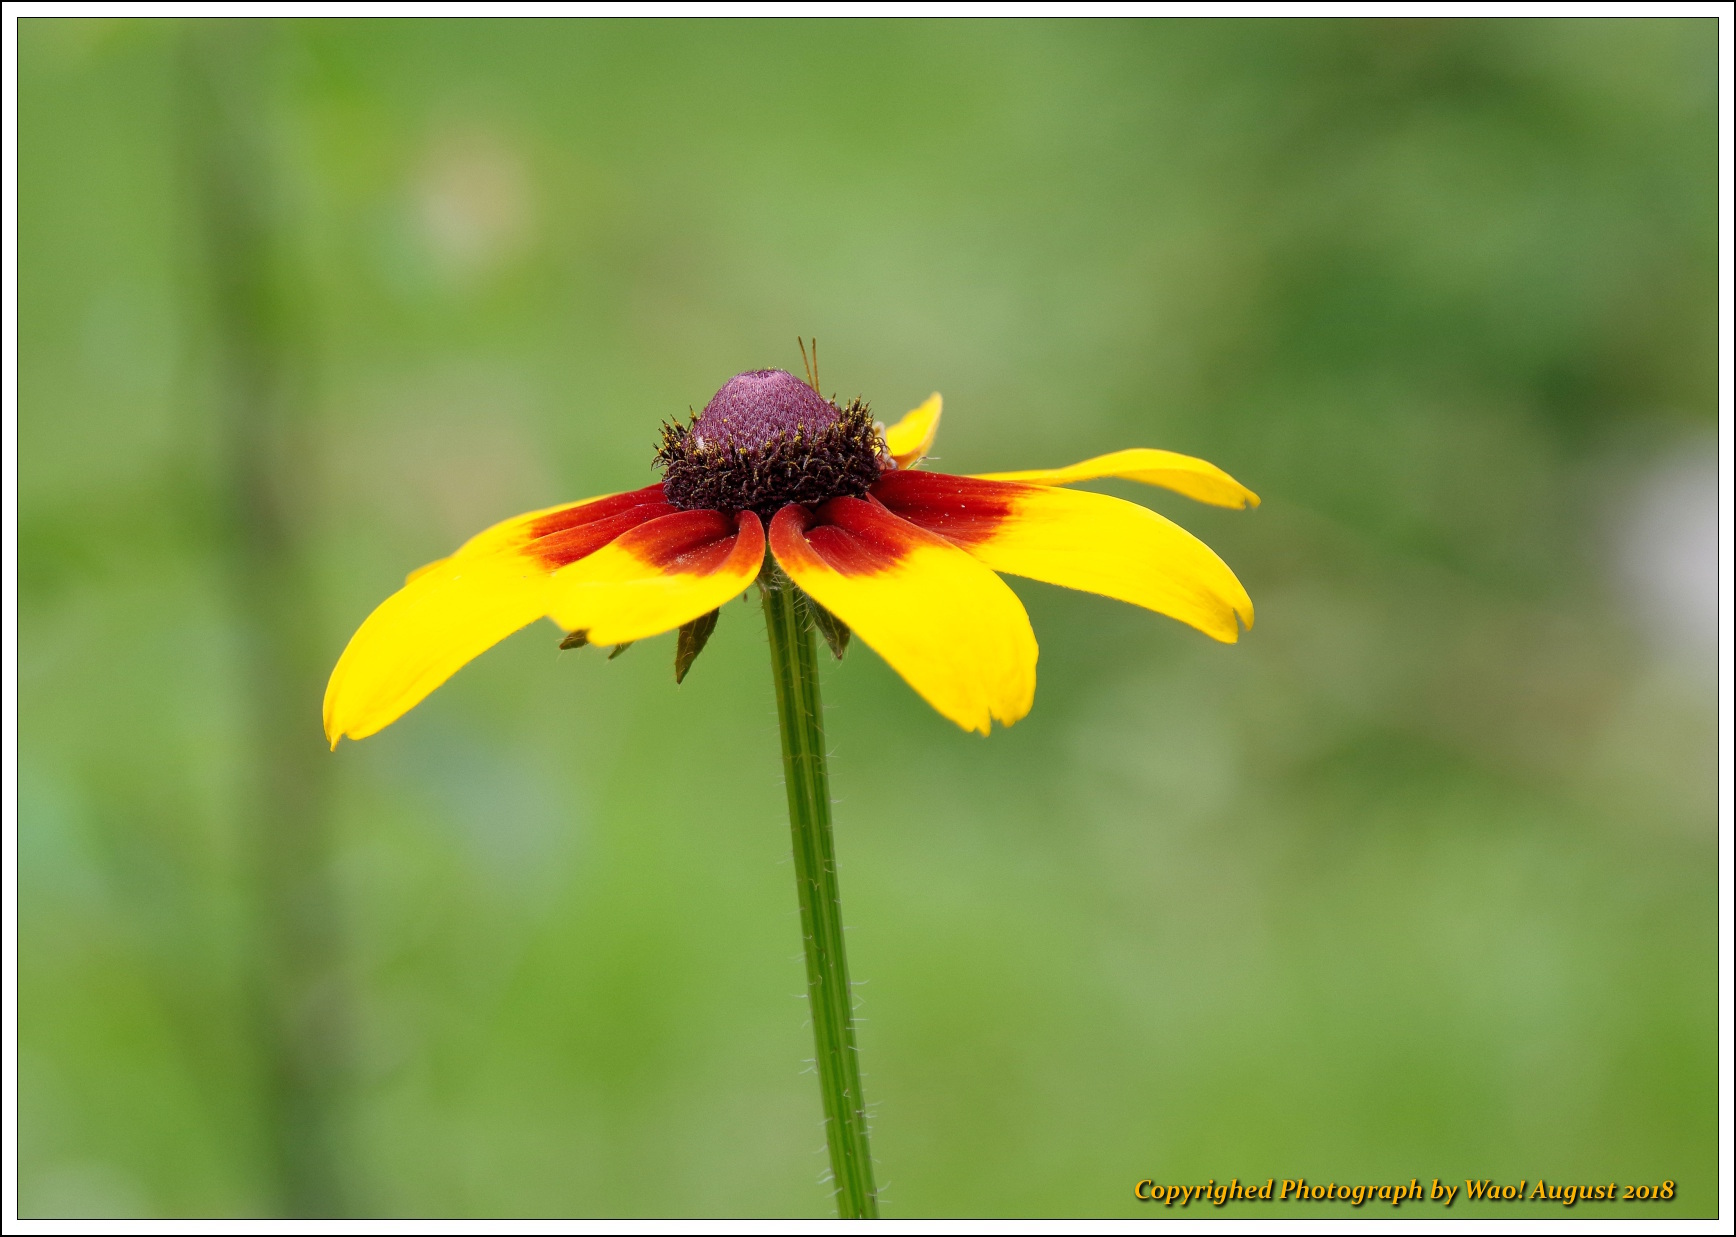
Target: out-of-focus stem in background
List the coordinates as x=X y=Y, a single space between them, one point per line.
x=258 y=343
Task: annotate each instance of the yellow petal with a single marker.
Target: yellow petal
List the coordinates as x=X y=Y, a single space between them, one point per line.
x=1076 y=539
x=451 y=610
x=660 y=575
x=946 y=623
x=510 y=532
x=909 y=440
x=1184 y=474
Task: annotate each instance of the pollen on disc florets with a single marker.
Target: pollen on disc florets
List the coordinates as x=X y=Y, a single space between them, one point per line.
x=767 y=439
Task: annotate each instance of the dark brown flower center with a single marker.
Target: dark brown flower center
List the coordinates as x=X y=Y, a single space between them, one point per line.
x=767 y=439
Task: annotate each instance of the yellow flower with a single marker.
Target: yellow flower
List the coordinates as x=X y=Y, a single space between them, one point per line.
x=905 y=558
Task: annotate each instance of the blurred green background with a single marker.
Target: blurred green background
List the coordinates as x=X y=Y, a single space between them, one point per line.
x=1416 y=880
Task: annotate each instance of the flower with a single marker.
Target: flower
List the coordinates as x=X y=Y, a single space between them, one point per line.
x=906 y=559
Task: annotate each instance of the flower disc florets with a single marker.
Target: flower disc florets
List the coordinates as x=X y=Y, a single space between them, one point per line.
x=767 y=439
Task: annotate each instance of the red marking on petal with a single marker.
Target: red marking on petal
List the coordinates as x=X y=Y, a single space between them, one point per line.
x=690 y=542
x=964 y=510
x=585 y=513
x=566 y=536
x=852 y=536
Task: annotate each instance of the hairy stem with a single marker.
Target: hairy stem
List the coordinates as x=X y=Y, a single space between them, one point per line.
x=796 y=677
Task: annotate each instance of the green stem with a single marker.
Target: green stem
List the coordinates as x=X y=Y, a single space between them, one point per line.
x=796 y=676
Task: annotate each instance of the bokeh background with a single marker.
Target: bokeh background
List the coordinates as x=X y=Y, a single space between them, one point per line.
x=1416 y=880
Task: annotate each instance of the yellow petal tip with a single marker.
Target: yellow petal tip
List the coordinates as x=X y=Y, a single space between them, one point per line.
x=1198 y=479
x=909 y=440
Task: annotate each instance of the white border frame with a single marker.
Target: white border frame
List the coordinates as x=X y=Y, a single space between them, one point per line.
x=1170 y=1219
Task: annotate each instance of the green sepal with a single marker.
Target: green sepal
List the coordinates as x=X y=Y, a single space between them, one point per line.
x=690 y=642
x=828 y=625
x=619 y=649
x=575 y=640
